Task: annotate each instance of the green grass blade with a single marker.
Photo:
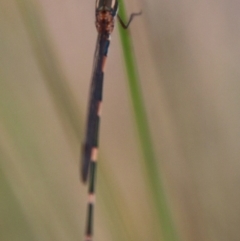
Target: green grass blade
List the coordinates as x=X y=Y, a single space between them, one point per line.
x=150 y=160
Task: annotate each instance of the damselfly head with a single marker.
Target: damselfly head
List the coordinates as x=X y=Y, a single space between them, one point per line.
x=107 y=5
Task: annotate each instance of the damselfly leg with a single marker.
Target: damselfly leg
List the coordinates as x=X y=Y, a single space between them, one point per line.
x=125 y=26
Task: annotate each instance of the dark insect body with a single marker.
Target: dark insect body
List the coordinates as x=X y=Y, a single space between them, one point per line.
x=106 y=11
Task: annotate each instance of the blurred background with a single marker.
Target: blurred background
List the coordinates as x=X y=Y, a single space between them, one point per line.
x=187 y=57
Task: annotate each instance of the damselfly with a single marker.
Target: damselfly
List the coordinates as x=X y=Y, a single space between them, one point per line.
x=106 y=11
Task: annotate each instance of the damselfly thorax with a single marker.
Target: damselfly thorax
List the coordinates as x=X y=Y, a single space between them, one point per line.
x=104 y=22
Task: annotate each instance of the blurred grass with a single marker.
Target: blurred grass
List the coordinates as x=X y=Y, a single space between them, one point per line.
x=29 y=211
x=49 y=66
x=10 y=209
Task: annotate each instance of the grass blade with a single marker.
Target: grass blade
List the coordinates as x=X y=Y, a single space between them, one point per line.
x=150 y=160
